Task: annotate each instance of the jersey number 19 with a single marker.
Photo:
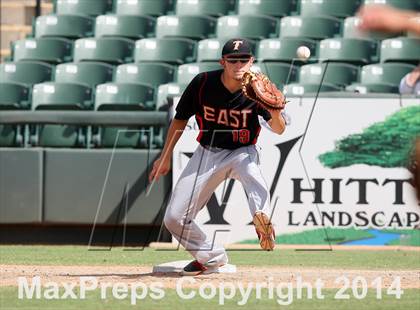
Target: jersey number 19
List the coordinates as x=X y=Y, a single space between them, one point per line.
x=241 y=135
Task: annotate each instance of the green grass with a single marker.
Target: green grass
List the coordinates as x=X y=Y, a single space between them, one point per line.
x=319 y=236
x=80 y=255
x=171 y=300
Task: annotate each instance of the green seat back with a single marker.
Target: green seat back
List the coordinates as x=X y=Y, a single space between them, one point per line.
x=146 y=73
x=266 y=7
x=8 y=135
x=61 y=96
x=124 y=97
x=387 y=73
x=69 y=26
x=246 y=26
x=60 y=136
x=188 y=26
x=337 y=73
x=83 y=7
x=170 y=50
x=26 y=72
x=144 y=7
x=279 y=73
x=124 y=137
x=312 y=27
x=357 y=51
x=165 y=91
x=89 y=73
x=51 y=50
x=128 y=26
x=329 y=7
x=372 y=88
x=14 y=96
x=284 y=49
x=187 y=72
x=298 y=89
x=204 y=7
x=401 y=49
x=111 y=50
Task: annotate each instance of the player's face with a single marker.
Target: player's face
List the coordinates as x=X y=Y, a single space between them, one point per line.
x=236 y=66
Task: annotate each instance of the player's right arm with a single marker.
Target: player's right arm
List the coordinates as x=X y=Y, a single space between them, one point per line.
x=162 y=165
x=184 y=110
x=386 y=18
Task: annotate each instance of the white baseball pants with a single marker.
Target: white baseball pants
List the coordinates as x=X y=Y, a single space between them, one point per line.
x=206 y=169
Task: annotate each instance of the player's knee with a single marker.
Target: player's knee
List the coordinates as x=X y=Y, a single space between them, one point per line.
x=171 y=221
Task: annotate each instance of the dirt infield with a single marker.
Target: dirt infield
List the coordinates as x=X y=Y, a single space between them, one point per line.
x=245 y=274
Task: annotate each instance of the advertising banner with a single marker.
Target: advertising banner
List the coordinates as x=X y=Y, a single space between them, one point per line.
x=337 y=175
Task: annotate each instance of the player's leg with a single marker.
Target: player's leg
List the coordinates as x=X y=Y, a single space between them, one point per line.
x=192 y=191
x=247 y=170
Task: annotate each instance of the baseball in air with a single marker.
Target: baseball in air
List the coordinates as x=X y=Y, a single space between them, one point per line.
x=303 y=52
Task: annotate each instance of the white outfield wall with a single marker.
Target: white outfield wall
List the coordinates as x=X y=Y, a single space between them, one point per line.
x=387 y=202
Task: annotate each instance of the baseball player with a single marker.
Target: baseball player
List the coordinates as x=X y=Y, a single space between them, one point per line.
x=229 y=128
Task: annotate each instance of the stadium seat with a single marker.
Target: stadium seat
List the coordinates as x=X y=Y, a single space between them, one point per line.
x=170 y=50
x=339 y=74
x=111 y=50
x=356 y=51
x=123 y=137
x=279 y=73
x=128 y=26
x=88 y=73
x=284 y=49
x=205 y=7
x=246 y=26
x=329 y=7
x=188 y=26
x=211 y=49
x=14 y=96
x=58 y=136
x=372 y=88
x=51 y=50
x=381 y=78
x=83 y=7
x=168 y=90
x=10 y=136
x=402 y=49
x=68 y=26
x=150 y=73
x=26 y=72
x=60 y=96
x=266 y=7
x=124 y=97
x=351 y=30
x=144 y=7
x=298 y=89
x=413 y=5
x=165 y=92
x=188 y=71
x=313 y=27
x=387 y=73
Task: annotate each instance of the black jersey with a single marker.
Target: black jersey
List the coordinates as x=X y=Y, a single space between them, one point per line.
x=226 y=120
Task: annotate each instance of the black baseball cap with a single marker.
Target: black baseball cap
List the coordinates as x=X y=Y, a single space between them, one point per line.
x=237 y=46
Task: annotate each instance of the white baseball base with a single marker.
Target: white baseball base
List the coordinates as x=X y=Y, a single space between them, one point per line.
x=177 y=266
